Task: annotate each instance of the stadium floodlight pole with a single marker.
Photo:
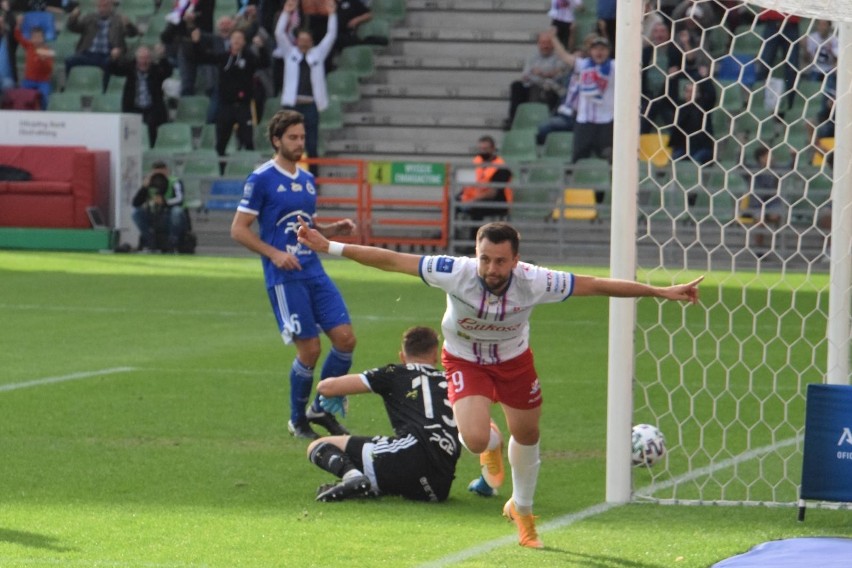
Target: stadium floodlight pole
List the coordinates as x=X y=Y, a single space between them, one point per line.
x=838 y=333
x=622 y=311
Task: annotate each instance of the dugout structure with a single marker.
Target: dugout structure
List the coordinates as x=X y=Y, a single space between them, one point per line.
x=726 y=381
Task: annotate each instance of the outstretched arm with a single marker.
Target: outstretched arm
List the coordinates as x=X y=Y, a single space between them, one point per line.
x=380 y=258
x=592 y=286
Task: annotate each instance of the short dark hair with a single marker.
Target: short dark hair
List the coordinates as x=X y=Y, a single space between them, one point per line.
x=488 y=139
x=418 y=341
x=159 y=182
x=500 y=232
x=281 y=121
x=159 y=165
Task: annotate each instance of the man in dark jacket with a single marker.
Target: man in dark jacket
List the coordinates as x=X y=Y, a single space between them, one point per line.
x=143 y=89
x=101 y=33
x=237 y=67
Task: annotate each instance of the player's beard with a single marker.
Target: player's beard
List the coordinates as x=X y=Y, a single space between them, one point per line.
x=291 y=155
x=495 y=283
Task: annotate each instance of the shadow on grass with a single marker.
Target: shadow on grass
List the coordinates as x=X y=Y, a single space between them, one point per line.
x=32 y=540
x=597 y=560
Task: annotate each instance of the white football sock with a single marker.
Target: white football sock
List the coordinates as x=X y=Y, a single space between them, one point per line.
x=525 y=463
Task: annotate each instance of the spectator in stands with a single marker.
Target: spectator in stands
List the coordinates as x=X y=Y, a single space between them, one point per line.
x=476 y=202
x=248 y=21
x=236 y=68
x=38 y=64
x=686 y=54
x=692 y=134
x=565 y=116
x=656 y=106
x=763 y=204
x=542 y=79
x=304 y=87
x=781 y=36
x=215 y=43
x=350 y=15
x=100 y=33
x=143 y=89
x=822 y=47
x=595 y=99
x=561 y=16
x=183 y=18
x=606 y=20
x=159 y=212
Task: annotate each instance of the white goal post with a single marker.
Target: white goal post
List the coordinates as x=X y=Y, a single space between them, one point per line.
x=715 y=377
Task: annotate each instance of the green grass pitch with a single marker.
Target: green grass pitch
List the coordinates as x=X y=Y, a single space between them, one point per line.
x=143 y=407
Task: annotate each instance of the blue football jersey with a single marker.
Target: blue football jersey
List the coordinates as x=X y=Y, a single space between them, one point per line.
x=279 y=198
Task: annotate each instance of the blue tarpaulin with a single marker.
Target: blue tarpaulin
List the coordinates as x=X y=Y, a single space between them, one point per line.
x=808 y=552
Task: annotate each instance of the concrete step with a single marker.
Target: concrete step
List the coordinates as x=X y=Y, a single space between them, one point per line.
x=435 y=91
x=533 y=6
x=447 y=78
x=480 y=49
x=422 y=120
x=406 y=148
x=406 y=35
x=450 y=63
x=431 y=106
x=464 y=19
x=423 y=134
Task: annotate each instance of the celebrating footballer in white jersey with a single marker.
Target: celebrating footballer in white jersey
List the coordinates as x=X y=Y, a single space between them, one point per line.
x=486 y=353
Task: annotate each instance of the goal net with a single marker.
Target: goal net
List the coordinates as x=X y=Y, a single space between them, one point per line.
x=737 y=134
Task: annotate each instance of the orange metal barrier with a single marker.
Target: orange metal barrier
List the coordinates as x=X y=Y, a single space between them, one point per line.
x=420 y=213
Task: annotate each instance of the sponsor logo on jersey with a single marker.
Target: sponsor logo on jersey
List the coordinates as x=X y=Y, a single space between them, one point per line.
x=248 y=188
x=291 y=221
x=296 y=187
x=281 y=188
x=444 y=264
x=472 y=324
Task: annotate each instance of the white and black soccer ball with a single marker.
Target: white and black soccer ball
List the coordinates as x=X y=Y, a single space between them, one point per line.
x=649 y=445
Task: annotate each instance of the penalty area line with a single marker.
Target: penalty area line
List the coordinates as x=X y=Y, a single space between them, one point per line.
x=65 y=378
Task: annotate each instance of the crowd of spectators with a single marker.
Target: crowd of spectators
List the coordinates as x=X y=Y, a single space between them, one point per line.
x=233 y=57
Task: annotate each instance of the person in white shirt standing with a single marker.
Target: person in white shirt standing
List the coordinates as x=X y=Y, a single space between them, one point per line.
x=595 y=98
x=486 y=353
x=304 y=88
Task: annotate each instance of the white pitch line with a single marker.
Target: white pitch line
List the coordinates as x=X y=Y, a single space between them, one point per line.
x=64 y=378
x=570 y=519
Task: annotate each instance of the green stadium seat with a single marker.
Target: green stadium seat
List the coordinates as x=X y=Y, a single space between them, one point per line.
x=107 y=102
x=519 y=146
x=376 y=29
x=200 y=168
x=192 y=109
x=116 y=84
x=390 y=10
x=241 y=164
x=64 y=102
x=358 y=59
x=530 y=115
x=558 y=147
x=332 y=117
x=270 y=107
x=174 y=137
x=343 y=85
x=535 y=197
x=85 y=80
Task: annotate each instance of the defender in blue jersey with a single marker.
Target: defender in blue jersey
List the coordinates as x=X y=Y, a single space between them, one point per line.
x=304 y=299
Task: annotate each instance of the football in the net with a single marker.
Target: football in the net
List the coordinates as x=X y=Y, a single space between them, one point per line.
x=649 y=445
